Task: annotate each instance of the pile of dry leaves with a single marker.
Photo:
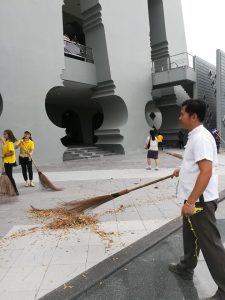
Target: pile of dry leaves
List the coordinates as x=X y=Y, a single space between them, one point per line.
x=61 y=218
x=64 y=219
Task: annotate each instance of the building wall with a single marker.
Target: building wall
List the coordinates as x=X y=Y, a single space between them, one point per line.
x=31 y=60
x=220 y=95
x=206 y=90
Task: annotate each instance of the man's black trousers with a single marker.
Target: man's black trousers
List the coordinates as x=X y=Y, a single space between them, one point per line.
x=203 y=226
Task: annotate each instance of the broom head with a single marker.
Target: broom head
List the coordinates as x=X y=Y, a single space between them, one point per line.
x=46 y=183
x=86 y=204
x=6 y=188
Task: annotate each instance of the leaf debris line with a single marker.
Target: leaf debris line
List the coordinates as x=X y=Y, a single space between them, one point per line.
x=61 y=218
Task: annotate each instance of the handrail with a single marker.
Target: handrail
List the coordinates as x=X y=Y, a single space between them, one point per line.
x=179 y=60
x=186 y=53
x=78 y=51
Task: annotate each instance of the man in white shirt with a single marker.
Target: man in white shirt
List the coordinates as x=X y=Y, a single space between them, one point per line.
x=198 y=187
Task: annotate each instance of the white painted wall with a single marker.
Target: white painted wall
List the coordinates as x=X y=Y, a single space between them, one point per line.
x=79 y=71
x=31 y=60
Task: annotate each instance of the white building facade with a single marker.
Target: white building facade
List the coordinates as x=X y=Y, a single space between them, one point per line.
x=125 y=71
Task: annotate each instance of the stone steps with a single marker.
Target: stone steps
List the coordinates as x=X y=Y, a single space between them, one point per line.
x=74 y=153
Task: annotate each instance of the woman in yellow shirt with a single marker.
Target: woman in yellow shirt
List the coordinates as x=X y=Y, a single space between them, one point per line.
x=26 y=146
x=8 y=156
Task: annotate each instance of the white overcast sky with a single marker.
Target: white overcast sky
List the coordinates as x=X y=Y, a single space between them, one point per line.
x=204 y=22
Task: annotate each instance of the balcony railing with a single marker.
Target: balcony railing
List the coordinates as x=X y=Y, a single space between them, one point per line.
x=78 y=51
x=180 y=60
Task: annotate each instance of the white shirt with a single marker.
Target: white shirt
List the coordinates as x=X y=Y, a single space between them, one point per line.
x=201 y=145
x=153 y=144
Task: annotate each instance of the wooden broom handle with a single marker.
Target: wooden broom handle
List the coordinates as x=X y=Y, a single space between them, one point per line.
x=35 y=165
x=175 y=155
x=220 y=137
x=150 y=183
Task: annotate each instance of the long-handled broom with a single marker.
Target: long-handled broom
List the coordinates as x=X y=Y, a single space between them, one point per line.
x=220 y=137
x=85 y=204
x=175 y=155
x=45 y=182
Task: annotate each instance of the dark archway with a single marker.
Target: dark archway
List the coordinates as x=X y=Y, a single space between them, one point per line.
x=71 y=121
x=74 y=110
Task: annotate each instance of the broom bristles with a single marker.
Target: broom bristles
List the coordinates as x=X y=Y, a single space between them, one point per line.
x=46 y=183
x=6 y=187
x=83 y=205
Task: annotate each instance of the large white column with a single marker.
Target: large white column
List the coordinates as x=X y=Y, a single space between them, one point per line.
x=118 y=32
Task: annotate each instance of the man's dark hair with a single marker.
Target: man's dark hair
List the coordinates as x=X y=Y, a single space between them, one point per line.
x=195 y=106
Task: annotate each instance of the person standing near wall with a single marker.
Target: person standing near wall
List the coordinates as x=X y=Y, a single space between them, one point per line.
x=152 y=145
x=198 y=187
x=216 y=135
x=181 y=139
x=26 y=146
x=8 y=156
x=160 y=140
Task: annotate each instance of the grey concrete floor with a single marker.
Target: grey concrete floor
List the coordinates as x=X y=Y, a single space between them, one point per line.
x=147 y=277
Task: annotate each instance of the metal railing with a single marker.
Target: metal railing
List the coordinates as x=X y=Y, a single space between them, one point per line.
x=180 y=60
x=78 y=51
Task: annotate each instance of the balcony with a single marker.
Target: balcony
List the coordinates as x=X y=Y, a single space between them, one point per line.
x=173 y=70
x=78 y=51
x=79 y=64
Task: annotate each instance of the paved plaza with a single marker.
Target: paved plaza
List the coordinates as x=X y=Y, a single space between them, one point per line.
x=37 y=263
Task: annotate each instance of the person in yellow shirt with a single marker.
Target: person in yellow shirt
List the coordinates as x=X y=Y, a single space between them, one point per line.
x=26 y=146
x=160 y=140
x=8 y=155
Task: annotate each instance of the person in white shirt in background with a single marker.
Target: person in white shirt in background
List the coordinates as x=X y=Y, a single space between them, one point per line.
x=198 y=187
x=151 y=144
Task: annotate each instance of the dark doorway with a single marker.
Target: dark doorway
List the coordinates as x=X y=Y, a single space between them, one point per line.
x=97 y=123
x=71 y=121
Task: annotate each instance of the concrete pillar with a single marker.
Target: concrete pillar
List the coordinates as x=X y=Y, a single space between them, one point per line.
x=118 y=32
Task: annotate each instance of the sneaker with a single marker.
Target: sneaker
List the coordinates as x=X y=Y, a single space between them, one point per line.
x=157 y=168
x=26 y=184
x=186 y=274
x=148 y=168
x=32 y=184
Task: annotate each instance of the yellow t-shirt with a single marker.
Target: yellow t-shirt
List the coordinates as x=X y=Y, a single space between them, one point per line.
x=25 y=146
x=160 y=138
x=8 y=147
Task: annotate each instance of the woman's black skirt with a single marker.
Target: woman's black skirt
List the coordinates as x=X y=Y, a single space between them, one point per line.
x=153 y=154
